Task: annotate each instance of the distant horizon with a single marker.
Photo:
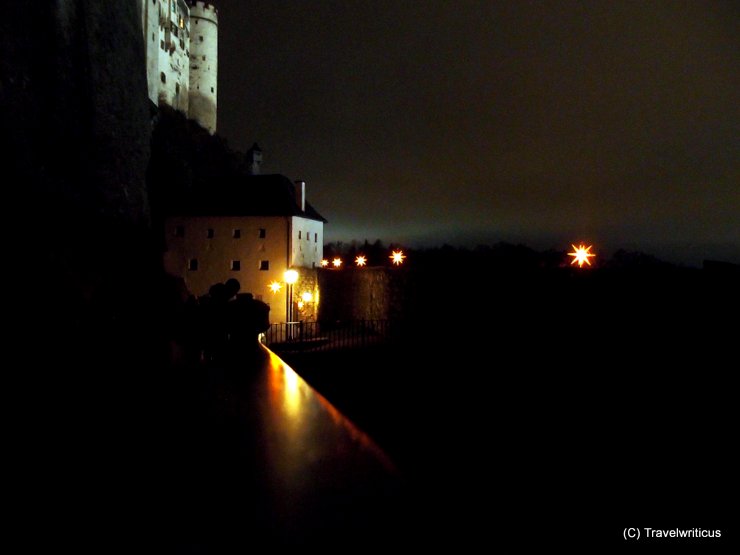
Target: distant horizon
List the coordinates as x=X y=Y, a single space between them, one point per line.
x=678 y=254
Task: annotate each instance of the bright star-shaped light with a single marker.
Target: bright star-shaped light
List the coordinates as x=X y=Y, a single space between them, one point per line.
x=581 y=255
x=337 y=262
x=324 y=263
x=397 y=257
x=275 y=286
x=361 y=261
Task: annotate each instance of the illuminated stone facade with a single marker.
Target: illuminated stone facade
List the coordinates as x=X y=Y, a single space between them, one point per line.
x=253 y=232
x=181 y=46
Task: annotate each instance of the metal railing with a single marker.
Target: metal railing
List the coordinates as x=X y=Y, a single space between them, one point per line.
x=325 y=336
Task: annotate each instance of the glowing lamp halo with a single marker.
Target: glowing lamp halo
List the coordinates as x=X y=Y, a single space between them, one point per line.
x=581 y=255
x=397 y=257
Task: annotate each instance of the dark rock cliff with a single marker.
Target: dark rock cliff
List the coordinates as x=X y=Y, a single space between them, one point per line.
x=90 y=319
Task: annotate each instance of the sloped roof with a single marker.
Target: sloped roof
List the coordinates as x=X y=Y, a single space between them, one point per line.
x=244 y=195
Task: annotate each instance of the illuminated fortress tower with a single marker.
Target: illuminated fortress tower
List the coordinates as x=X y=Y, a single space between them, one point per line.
x=203 y=64
x=181 y=43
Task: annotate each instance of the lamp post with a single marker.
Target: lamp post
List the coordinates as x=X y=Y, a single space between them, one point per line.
x=290 y=276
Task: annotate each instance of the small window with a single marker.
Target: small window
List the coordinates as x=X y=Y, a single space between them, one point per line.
x=212 y=89
x=179 y=231
x=153 y=39
x=200 y=38
x=315 y=237
x=210 y=233
x=263 y=233
x=177 y=88
x=237 y=233
x=163 y=77
x=236 y=265
x=204 y=58
x=264 y=265
x=193 y=264
x=299 y=234
x=308 y=236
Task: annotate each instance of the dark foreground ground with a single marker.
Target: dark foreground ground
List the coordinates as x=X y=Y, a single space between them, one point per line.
x=550 y=414
x=561 y=420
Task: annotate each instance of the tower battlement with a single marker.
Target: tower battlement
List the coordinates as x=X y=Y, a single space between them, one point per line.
x=204 y=9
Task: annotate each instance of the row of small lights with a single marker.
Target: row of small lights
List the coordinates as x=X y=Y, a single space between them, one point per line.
x=291 y=276
x=580 y=256
x=397 y=258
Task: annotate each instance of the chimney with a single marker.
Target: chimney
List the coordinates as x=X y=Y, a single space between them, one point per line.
x=300 y=194
x=254 y=159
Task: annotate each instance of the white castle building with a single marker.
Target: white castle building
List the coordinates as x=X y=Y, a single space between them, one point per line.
x=253 y=229
x=181 y=44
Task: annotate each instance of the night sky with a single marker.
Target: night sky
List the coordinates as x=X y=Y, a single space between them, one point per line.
x=472 y=122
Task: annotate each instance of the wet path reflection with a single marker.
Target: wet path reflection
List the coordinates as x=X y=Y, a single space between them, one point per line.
x=279 y=464
x=303 y=429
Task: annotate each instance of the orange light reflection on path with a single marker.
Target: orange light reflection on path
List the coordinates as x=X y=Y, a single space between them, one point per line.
x=302 y=408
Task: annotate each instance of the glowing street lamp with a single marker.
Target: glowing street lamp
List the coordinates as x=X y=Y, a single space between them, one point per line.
x=361 y=261
x=581 y=255
x=397 y=257
x=324 y=263
x=306 y=298
x=290 y=277
x=337 y=262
